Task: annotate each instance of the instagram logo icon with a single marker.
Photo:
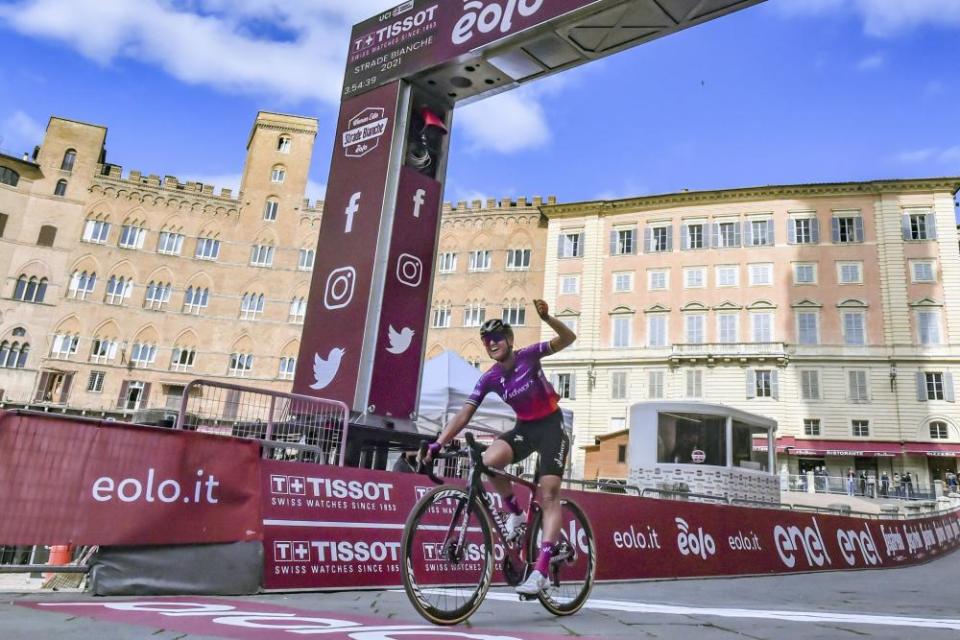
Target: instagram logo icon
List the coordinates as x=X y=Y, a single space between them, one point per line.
x=409 y=270
x=339 y=290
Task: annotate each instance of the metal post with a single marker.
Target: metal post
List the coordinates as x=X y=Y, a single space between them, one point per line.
x=268 y=436
x=729 y=429
x=771 y=452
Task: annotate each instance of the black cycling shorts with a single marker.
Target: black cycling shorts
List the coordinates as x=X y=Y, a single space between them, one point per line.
x=547 y=437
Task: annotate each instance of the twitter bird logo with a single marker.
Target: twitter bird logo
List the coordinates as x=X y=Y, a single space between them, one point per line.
x=399 y=341
x=324 y=371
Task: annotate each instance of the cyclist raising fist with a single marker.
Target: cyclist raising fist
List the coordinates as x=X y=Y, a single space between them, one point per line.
x=518 y=378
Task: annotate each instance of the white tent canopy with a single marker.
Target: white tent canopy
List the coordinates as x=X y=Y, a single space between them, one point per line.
x=447 y=382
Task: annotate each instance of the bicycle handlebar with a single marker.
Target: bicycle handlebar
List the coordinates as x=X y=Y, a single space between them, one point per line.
x=425 y=469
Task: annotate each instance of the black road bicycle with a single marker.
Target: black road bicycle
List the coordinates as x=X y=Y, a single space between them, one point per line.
x=448 y=555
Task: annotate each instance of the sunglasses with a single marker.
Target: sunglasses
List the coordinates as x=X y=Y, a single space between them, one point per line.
x=490 y=338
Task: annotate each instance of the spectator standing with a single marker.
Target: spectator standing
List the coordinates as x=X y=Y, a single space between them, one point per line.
x=884 y=485
x=897 y=485
x=851 y=482
x=863 y=482
x=907 y=485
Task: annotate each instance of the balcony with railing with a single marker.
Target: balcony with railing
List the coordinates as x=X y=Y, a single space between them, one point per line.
x=720 y=352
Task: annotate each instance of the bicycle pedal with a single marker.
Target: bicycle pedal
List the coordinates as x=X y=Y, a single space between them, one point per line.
x=527 y=597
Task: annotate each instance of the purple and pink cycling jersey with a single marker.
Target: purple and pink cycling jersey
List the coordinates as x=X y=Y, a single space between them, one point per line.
x=525 y=388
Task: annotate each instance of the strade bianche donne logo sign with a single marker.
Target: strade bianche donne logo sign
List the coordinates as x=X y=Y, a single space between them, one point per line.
x=364 y=131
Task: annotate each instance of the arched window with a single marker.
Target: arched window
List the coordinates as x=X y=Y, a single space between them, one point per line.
x=251 y=307
x=284 y=144
x=939 y=430
x=20 y=288
x=61 y=188
x=22 y=357
x=82 y=284
x=271 y=209
x=9 y=176
x=69 y=158
x=195 y=300
x=14 y=356
x=31 y=289
x=307 y=256
x=278 y=175
x=118 y=290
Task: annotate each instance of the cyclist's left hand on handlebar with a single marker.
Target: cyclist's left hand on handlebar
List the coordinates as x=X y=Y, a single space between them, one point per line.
x=427 y=452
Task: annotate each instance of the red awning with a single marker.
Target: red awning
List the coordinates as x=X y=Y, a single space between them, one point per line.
x=934 y=450
x=841 y=448
x=861 y=449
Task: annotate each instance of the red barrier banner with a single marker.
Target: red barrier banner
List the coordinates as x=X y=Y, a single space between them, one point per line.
x=331 y=528
x=68 y=481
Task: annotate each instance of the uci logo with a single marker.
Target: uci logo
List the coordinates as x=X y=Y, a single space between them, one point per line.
x=490 y=16
x=697 y=543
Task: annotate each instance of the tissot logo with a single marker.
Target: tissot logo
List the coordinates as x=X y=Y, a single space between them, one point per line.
x=396 y=28
x=330 y=488
x=330 y=551
x=485 y=17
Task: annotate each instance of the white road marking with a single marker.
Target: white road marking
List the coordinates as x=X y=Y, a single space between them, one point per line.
x=763 y=614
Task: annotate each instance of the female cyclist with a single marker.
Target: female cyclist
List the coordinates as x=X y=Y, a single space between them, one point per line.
x=518 y=378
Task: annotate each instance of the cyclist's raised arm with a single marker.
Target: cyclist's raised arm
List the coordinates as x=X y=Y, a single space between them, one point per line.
x=565 y=336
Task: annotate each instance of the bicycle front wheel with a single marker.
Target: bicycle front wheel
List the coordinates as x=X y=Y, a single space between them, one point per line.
x=446 y=556
x=574 y=563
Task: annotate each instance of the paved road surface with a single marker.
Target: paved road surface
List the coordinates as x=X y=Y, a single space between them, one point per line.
x=915 y=603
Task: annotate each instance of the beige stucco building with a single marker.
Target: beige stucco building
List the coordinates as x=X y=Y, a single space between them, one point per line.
x=831 y=308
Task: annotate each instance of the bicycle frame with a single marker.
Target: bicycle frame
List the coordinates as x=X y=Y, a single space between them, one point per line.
x=478 y=495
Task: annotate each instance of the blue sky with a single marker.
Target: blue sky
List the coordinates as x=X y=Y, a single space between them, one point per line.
x=791 y=91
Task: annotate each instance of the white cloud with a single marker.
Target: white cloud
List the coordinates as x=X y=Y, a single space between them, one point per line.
x=505 y=123
x=871 y=63
x=916 y=155
x=626 y=190
x=221 y=44
x=883 y=18
x=933 y=155
x=209 y=41
x=950 y=155
x=19 y=132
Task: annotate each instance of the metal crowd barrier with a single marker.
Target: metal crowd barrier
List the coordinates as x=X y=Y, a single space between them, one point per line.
x=838 y=485
x=288 y=426
x=27 y=559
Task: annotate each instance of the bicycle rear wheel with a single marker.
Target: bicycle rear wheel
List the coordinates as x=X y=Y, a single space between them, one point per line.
x=446 y=556
x=574 y=563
